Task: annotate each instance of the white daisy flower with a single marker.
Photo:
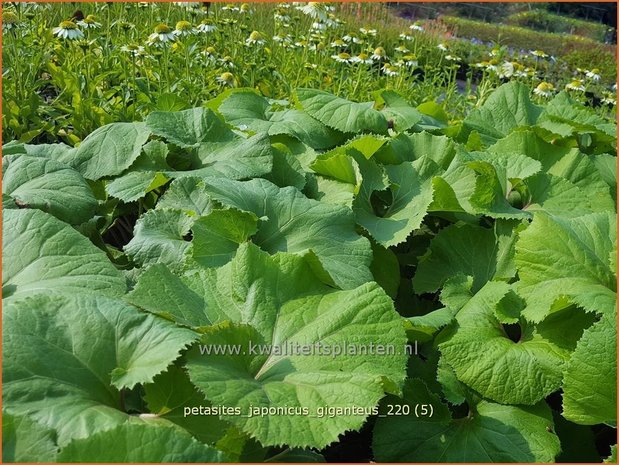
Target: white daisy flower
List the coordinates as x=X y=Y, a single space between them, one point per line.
x=226 y=79
x=415 y=27
x=594 y=74
x=162 y=35
x=255 y=38
x=390 y=70
x=188 y=5
x=576 y=84
x=342 y=57
x=609 y=98
x=506 y=70
x=68 y=30
x=539 y=54
x=452 y=58
x=362 y=58
x=379 y=54
x=405 y=36
x=368 y=31
x=544 y=89
x=443 y=47
x=133 y=49
x=10 y=20
x=411 y=60
x=206 y=26
x=89 y=22
x=183 y=28
x=315 y=10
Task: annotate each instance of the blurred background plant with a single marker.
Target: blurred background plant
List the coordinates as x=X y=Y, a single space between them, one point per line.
x=69 y=68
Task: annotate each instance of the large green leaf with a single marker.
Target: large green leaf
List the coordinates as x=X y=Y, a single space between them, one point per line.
x=172 y=396
x=186 y=194
x=110 y=150
x=65 y=357
x=159 y=238
x=485 y=359
x=507 y=108
x=217 y=235
x=409 y=199
x=341 y=114
x=398 y=110
x=189 y=128
x=291 y=222
x=590 y=384
x=558 y=257
x=261 y=310
x=238 y=158
x=489 y=433
x=464 y=249
x=24 y=440
x=143 y=176
x=565 y=162
x=134 y=443
x=41 y=253
x=49 y=186
x=247 y=108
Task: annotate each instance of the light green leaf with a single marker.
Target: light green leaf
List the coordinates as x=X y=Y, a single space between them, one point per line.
x=486 y=360
x=565 y=162
x=158 y=237
x=247 y=108
x=590 y=383
x=189 y=128
x=386 y=269
x=341 y=114
x=135 y=185
x=507 y=108
x=490 y=433
x=186 y=194
x=47 y=185
x=135 y=443
x=179 y=298
x=613 y=455
x=458 y=249
x=110 y=149
x=143 y=176
x=558 y=258
x=217 y=235
x=24 y=440
x=41 y=253
x=410 y=197
x=238 y=158
x=291 y=222
x=172 y=396
x=301 y=313
x=342 y=163
x=65 y=357
x=396 y=108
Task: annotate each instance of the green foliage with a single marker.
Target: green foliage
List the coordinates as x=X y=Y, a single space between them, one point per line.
x=542 y=20
x=158 y=278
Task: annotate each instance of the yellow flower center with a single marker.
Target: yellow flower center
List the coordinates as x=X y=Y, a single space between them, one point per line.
x=255 y=35
x=68 y=25
x=228 y=77
x=162 y=29
x=379 y=51
x=90 y=19
x=183 y=26
x=8 y=17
